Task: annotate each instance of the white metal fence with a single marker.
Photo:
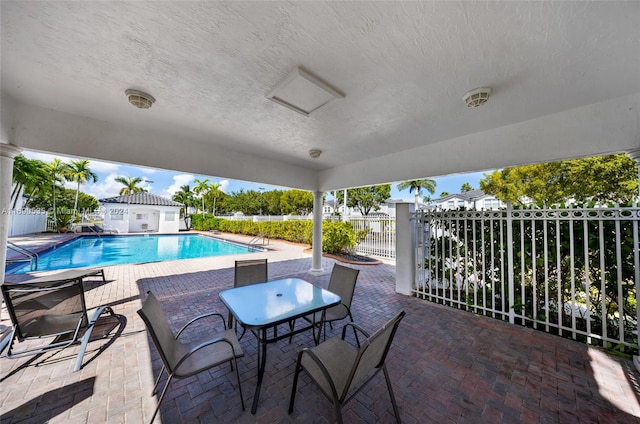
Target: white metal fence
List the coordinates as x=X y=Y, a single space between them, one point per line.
x=573 y=272
x=381 y=236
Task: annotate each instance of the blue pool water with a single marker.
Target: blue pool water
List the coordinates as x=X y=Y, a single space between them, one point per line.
x=94 y=251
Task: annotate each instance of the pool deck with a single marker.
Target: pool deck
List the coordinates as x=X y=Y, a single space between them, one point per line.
x=446 y=365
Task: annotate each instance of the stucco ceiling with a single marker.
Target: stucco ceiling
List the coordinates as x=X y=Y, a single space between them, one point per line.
x=565 y=79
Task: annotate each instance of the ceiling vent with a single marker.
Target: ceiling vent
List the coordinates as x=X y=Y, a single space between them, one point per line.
x=140 y=99
x=477 y=97
x=302 y=92
x=315 y=153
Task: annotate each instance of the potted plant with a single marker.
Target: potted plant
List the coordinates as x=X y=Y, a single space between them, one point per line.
x=63 y=220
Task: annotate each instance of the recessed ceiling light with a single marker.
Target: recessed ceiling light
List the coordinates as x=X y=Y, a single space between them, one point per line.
x=477 y=97
x=302 y=92
x=140 y=99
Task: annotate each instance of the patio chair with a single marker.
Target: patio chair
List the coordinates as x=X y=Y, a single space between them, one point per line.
x=52 y=311
x=247 y=272
x=184 y=359
x=343 y=283
x=341 y=371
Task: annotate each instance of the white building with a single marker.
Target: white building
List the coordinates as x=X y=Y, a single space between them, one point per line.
x=474 y=199
x=388 y=208
x=141 y=212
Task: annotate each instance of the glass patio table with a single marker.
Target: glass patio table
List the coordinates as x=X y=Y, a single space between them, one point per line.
x=261 y=306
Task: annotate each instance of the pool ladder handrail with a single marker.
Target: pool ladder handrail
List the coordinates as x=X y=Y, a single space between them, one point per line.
x=32 y=256
x=257 y=238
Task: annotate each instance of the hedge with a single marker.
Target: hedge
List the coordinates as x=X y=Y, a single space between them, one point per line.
x=337 y=237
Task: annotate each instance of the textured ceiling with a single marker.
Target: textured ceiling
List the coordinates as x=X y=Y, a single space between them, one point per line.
x=403 y=67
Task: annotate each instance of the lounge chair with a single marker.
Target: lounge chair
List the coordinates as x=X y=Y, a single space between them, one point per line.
x=182 y=360
x=341 y=371
x=51 y=309
x=66 y=275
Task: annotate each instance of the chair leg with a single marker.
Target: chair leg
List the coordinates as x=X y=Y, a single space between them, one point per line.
x=391 y=395
x=295 y=383
x=230 y=320
x=164 y=391
x=355 y=333
x=87 y=335
x=155 y=386
x=235 y=364
x=336 y=404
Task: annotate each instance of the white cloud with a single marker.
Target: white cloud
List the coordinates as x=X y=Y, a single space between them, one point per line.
x=45 y=157
x=142 y=170
x=108 y=187
x=178 y=181
x=98 y=166
x=224 y=185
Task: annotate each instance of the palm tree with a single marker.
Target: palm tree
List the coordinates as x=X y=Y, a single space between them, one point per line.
x=130 y=185
x=214 y=192
x=56 y=170
x=184 y=196
x=416 y=187
x=80 y=172
x=29 y=175
x=465 y=187
x=202 y=188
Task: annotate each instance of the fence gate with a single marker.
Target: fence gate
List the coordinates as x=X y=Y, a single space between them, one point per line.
x=381 y=236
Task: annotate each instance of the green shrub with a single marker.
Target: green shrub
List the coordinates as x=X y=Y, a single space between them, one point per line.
x=337 y=237
x=208 y=223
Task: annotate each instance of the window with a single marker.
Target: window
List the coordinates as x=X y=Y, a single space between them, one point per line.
x=116 y=214
x=170 y=216
x=140 y=216
x=492 y=204
x=451 y=204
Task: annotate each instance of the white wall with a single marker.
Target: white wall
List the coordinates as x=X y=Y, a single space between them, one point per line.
x=141 y=218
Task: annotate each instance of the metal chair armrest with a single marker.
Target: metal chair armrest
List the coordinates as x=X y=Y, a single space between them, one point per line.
x=199 y=318
x=356 y=327
x=320 y=365
x=203 y=345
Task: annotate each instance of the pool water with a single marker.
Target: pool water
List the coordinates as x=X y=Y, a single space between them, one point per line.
x=95 y=251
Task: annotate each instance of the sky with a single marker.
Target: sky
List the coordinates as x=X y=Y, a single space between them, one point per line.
x=166 y=183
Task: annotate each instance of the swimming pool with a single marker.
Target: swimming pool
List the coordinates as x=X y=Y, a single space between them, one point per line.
x=95 y=251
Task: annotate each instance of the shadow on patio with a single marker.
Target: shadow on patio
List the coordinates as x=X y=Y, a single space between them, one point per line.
x=446 y=365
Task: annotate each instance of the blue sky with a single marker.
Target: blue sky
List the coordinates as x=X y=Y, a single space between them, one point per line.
x=166 y=183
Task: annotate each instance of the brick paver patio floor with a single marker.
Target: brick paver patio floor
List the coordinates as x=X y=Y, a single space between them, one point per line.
x=448 y=366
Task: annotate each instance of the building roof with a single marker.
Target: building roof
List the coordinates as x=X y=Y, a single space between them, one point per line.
x=141 y=199
x=467 y=196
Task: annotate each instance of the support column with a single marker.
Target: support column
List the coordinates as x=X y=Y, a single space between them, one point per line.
x=7 y=153
x=635 y=155
x=316 y=251
x=344 y=207
x=405 y=248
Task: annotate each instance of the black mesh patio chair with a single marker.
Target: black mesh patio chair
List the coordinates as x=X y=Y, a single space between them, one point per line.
x=184 y=359
x=343 y=283
x=247 y=272
x=53 y=312
x=341 y=371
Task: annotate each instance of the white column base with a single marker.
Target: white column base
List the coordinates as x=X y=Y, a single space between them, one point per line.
x=318 y=271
